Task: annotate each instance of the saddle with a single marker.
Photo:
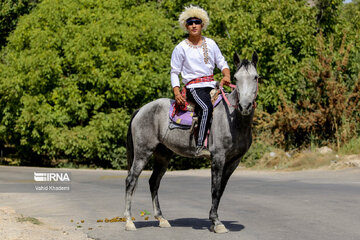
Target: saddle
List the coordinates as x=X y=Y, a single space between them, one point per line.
x=184 y=117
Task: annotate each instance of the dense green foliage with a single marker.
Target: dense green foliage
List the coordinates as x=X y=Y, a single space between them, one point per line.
x=281 y=31
x=327 y=110
x=327 y=15
x=10 y=11
x=350 y=24
x=72 y=72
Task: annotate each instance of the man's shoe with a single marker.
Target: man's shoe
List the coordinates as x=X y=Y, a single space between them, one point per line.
x=201 y=151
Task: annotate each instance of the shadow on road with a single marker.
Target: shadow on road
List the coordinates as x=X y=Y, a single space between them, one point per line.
x=195 y=223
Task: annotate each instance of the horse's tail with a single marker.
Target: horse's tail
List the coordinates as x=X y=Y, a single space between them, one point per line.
x=129 y=143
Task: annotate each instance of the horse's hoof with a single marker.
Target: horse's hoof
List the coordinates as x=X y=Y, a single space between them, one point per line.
x=130 y=226
x=219 y=228
x=163 y=223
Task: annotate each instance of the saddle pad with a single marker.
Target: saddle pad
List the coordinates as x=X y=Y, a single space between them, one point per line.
x=185 y=117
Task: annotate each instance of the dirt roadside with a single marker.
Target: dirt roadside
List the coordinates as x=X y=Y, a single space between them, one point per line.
x=14 y=226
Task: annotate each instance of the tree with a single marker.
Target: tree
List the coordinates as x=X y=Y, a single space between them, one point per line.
x=73 y=72
x=327 y=15
x=350 y=24
x=10 y=11
x=327 y=110
x=282 y=32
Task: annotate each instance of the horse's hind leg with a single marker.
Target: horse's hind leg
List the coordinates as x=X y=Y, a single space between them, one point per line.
x=161 y=161
x=131 y=181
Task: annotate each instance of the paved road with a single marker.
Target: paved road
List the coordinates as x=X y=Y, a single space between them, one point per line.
x=256 y=205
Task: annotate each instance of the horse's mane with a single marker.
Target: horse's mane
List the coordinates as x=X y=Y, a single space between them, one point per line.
x=245 y=63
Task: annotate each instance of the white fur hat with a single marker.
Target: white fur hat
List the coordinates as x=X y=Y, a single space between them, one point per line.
x=193 y=11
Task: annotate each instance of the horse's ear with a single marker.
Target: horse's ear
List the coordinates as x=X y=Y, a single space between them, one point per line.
x=237 y=60
x=255 y=58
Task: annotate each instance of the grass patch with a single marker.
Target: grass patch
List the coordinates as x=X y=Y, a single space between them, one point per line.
x=68 y=164
x=256 y=152
x=280 y=160
x=352 y=147
x=310 y=160
x=10 y=161
x=29 y=219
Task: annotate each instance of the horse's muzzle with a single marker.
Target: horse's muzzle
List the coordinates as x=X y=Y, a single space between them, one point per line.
x=246 y=108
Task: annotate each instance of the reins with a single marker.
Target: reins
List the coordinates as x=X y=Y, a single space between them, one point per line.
x=233 y=87
x=225 y=98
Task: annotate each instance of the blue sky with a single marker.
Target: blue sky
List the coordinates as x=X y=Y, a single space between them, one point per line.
x=347 y=1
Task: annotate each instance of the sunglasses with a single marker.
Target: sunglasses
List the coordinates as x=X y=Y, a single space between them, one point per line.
x=192 y=21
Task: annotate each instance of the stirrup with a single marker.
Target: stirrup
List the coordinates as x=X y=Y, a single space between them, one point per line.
x=201 y=151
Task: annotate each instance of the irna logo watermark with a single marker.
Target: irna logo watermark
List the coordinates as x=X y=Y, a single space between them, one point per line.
x=51 y=177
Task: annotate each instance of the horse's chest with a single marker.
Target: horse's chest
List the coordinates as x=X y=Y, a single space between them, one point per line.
x=239 y=144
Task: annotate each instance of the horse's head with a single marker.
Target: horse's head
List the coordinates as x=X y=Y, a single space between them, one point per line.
x=246 y=83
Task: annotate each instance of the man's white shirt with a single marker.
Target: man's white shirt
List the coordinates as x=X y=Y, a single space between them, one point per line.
x=190 y=61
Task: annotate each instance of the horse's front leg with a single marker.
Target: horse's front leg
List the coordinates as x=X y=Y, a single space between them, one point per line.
x=217 y=167
x=220 y=174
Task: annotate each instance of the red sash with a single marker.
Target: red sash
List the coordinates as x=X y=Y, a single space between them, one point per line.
x=201 y=79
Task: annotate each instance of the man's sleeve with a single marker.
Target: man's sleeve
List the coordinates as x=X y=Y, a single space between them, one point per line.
x=219 y=58
x=177 y=59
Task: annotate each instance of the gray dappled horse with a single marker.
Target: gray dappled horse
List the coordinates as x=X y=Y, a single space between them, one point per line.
x=230 y=138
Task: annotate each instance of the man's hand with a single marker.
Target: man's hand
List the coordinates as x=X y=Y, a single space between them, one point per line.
x=225 y=81
x=180 y=100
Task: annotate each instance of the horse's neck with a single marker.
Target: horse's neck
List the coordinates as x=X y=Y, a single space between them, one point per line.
x=233 y=98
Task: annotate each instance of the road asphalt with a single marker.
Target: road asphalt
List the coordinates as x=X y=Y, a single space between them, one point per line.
x=315 y=204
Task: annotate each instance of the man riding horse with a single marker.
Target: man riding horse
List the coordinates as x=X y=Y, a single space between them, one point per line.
x=151 y=137
x=195 y=58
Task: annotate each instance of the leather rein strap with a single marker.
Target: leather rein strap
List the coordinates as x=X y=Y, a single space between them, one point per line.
x=225 y=98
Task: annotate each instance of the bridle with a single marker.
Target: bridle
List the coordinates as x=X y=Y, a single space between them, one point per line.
x=234 y=87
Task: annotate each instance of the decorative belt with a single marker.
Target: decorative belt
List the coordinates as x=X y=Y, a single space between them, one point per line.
x=201 y=79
